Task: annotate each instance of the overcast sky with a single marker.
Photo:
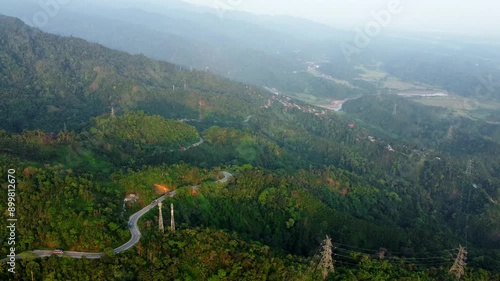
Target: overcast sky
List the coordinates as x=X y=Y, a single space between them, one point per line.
x=477 y=16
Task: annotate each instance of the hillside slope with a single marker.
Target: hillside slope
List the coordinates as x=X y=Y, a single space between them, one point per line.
x=50 y=83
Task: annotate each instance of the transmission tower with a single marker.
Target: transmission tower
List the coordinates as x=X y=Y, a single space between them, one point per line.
x=160 y=221
x=327 y=260
x=468 y=171
x=458 y=267
x=172 y=221
x=450 y=132
x=395 y=109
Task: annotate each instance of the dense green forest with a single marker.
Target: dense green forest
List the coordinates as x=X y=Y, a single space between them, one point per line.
x=84 y=126
x=207 y=254
x=50 y=83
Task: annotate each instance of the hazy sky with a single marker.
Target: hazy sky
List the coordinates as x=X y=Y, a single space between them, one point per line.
x=449 y=15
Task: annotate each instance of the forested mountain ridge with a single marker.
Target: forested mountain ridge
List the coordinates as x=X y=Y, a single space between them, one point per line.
x=50 y=82
x=264 y=51
x=276 y=51
x=300 y=173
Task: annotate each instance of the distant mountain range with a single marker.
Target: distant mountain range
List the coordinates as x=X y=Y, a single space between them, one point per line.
x=270 y=51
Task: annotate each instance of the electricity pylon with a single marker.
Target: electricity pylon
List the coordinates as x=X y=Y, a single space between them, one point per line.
x=450 y=132
x=160 y=221
x=327 y=260
x=468 y=171
x=458 y=267
x=172 y=221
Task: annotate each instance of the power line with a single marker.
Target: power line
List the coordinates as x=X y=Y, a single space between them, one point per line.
x=404 y=260
x=394 y=252
x=344 y=254
x=349 y=257
x=342 y=262
x=394 y=262
x=429 y=261
x=430 y=258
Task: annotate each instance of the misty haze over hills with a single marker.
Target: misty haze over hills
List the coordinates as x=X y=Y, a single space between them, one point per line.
x=277 y=51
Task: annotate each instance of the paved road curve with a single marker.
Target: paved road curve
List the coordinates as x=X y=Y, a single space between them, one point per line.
x=132 y=225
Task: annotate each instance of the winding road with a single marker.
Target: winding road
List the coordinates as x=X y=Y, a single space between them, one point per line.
x=132 y=225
